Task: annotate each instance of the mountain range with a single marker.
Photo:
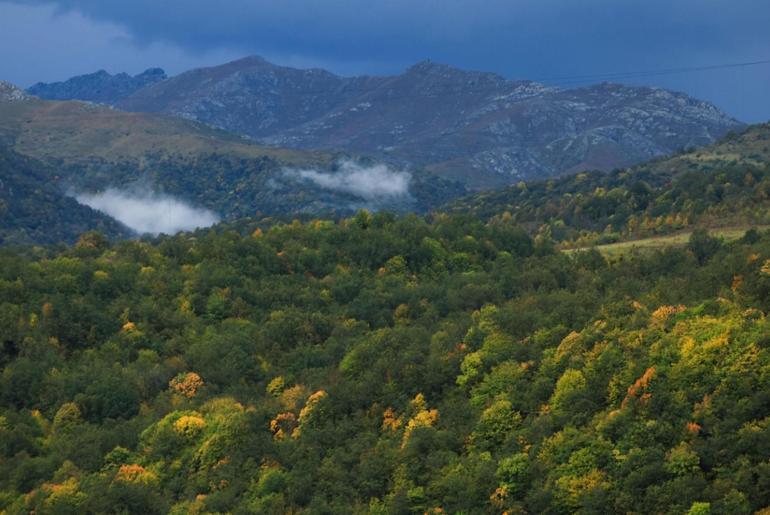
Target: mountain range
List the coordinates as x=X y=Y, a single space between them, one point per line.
x=250 y=138
x=474 y=127
x=99 y=86
x=51 y=151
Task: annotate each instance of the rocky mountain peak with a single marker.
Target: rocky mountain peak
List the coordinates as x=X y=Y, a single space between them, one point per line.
x=152 y=73
x=252 y=60
x=432 y=70
x=426 y=66
x=11 y=93
x=101 y=86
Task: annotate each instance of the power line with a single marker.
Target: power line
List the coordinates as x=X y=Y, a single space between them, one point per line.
x=576 y=79
x=568 y=80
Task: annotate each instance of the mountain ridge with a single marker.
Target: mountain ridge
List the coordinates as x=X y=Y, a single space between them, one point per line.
x=100 y=86
x=476 y=127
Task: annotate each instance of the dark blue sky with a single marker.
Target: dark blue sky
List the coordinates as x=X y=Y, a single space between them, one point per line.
x=535 y=39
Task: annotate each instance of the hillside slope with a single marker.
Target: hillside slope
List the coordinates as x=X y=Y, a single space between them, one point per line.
x=35 y=209
x=73 y=131
x=33 y=206
x=727 y=183
x=94 y=147
x=382 y=365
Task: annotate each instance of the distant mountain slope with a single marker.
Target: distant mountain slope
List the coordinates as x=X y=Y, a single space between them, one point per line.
x=81 y=131
x=250 y=96
x=98 y=87
x=724 y=184
x=476 y=127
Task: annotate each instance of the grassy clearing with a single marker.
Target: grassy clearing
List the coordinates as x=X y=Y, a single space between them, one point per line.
x=658 y=242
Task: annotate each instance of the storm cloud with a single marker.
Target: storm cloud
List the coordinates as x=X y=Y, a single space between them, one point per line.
x=526 y=39
x=148 y=213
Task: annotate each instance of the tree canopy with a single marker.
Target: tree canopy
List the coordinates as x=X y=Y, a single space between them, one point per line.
x=384 y=365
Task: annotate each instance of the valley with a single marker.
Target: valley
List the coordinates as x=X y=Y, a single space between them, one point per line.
x=346 y=279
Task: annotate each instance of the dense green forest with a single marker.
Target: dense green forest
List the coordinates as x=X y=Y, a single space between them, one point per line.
x=238 y=187
x=33 y=209
x=384 y=365
x=76 y=147
x=36 y=206
x=725 y=184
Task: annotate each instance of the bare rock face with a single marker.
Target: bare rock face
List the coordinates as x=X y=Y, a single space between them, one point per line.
x=10 y=93
x=98 y=87
x=249 y=96
x=479 y=128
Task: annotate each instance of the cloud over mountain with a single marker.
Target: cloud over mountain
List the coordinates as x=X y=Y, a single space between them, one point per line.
x=148 y=213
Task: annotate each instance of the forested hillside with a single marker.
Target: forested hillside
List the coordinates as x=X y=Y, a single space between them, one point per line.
x=34 y=209
x=383 y=365
x=725 y=184
x=93 y=148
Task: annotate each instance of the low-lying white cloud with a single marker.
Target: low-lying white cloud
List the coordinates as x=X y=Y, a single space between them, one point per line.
x=148 y=213
x=368 y=182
